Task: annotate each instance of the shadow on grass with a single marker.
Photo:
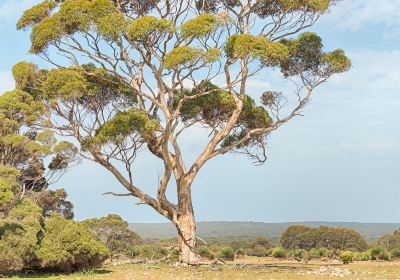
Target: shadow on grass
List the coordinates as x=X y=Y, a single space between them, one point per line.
x=44 y=275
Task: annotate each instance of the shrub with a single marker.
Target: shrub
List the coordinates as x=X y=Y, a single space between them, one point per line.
x=204 y=252
x=68 y=246
x=258 y=251
x=383 y=256
x=227 y=253
x=346 y=257
x=395 y=253
x=375 y=252
x=20 y=234
x=324 y=252
x=313 y=254
x=363 y=256
x=240 y=252
x=298 y=254
x=152 y=251
x=279 y=253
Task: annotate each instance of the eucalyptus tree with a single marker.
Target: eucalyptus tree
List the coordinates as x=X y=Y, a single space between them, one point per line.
x=130 y=75
x=24 y=153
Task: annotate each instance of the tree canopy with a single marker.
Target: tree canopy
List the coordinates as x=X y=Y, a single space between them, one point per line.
x=303 y=237
x=114 y=232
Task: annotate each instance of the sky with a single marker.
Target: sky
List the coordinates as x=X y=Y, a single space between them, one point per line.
x=339 y=162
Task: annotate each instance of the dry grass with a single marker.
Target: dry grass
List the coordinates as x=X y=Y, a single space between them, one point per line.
x=242 y=269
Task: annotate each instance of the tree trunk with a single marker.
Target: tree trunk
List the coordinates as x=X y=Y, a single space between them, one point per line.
x=186 y=227
x=186 y=224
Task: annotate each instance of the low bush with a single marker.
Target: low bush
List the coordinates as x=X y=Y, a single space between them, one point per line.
x=363 y=256
x=298 y=254
x=205 y=252
x=68 y=246
x=227 y=253
x=384 y=256
x=395 y=253
x=279 y=253
x=376 y=252
x=346 y=257
x=257 y=251
x=152 y=251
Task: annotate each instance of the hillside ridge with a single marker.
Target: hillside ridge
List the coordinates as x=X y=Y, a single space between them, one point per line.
x=249 y=229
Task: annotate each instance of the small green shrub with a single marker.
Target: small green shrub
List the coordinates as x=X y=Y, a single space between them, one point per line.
x=298 y=254
x=346 y=257
x=227 y=253
x=205 y=252
x=375 y=252
x=240 y=252
x=363 y=256
x=383 y=256
x=313 y=254
x=279 y=253
x=395 y=253
x=256 y=251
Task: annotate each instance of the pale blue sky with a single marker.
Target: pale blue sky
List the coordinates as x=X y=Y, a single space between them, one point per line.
x=340 y=162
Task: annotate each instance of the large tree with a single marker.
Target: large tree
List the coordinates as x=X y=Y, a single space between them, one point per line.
x=31 y=156
x=135 y=74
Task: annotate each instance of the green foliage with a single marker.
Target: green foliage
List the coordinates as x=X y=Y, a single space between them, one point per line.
x=20 y=233
x=36 y=14
x=73 y=16
x=303 y=237
x=336 y=61
x=114 y=233
x=183 y=55
x=64 y=83
x=267 y=8
x=25 y=76
x=227 y=253
x=306 y=56
x=379 y=253
x=314 y=5
x=362 y=256
x=257 y=250
x=124 y=124
x=54 y=202
x=144 y=27
x=347 y=257
x=205 y=253
x=218 y=105
x=244 y=45
x=298 y=254
x=390 y=241
x=8 y=186
x=19 y=106
x=112 y=26
x=200 y=26
x=395 y=253
x=67 y=246
x=279 y=253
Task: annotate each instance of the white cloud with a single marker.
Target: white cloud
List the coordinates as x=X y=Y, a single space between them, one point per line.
x=11 y=10
x=375 y=74
x=6 y=81
x=354 y=15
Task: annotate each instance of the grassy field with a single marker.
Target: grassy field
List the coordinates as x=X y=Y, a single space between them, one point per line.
x=248 y=268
